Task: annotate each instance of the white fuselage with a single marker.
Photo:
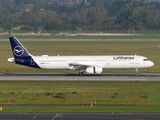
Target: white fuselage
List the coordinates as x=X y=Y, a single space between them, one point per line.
x=106 y=62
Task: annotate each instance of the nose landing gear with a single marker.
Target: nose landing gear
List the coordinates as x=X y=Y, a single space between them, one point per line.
x=137 y=72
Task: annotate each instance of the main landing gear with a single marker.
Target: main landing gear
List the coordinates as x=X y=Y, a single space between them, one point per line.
x=81 y=73
x=137 y=72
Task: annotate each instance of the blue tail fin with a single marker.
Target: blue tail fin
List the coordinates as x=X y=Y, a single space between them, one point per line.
x=17 y=48
x=21 y=55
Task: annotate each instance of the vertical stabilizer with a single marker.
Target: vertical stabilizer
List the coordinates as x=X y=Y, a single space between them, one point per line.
x=21 y=55
x=17 y=48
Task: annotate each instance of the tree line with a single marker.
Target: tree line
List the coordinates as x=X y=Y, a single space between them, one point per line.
x=93 y=15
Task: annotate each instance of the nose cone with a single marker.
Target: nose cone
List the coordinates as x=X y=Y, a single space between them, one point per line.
x=151 y=64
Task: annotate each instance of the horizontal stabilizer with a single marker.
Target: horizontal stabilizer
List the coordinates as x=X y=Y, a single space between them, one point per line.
x=11 y=60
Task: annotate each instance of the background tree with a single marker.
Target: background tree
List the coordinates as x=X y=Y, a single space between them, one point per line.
x=93 y=15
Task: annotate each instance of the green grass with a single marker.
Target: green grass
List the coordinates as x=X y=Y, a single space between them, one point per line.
x=149 y=49
x=81 y=109
x=79 y=93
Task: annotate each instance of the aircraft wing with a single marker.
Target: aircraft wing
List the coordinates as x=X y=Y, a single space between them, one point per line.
x=78 y=66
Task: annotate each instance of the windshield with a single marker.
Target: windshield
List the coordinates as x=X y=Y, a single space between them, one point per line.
x=146 y=60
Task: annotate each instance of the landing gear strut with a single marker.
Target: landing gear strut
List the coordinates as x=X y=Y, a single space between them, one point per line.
x=81 y=73
x=137 y=72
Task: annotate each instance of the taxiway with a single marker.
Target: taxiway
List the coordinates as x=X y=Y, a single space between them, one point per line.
x=79 y=116
x=75 y=77
x=85 y=39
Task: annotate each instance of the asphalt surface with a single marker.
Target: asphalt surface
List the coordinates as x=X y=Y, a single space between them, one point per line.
x=84 y=39
x=79 y=116
x=76 y=77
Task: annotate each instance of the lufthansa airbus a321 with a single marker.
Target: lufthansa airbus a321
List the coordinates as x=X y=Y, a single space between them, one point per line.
x=89 y=64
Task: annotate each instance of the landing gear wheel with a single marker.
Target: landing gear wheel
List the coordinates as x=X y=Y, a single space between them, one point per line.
x=81 y=73
x=137 y=72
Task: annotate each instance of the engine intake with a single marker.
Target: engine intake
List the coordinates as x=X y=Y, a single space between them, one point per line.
x=95 y=69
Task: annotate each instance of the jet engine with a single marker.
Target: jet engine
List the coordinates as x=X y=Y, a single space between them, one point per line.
x=95 y=69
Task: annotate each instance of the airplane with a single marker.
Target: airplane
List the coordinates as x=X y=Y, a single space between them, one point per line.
x=89 y=64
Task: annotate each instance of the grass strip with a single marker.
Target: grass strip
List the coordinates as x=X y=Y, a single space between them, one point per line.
x=79 y=93
x=81 y=109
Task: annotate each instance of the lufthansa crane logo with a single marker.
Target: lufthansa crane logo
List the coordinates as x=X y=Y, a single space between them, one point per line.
x=18 y=51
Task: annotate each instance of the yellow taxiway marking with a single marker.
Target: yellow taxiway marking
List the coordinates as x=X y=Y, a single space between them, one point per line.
x=55 y=117
x=34 y=116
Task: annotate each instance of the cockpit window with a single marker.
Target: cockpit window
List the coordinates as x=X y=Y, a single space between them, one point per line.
x=146 y=60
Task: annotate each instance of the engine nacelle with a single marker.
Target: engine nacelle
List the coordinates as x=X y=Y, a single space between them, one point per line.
x=95 y=69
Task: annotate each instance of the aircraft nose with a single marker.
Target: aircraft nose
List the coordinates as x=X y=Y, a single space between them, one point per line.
x=151 y=63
